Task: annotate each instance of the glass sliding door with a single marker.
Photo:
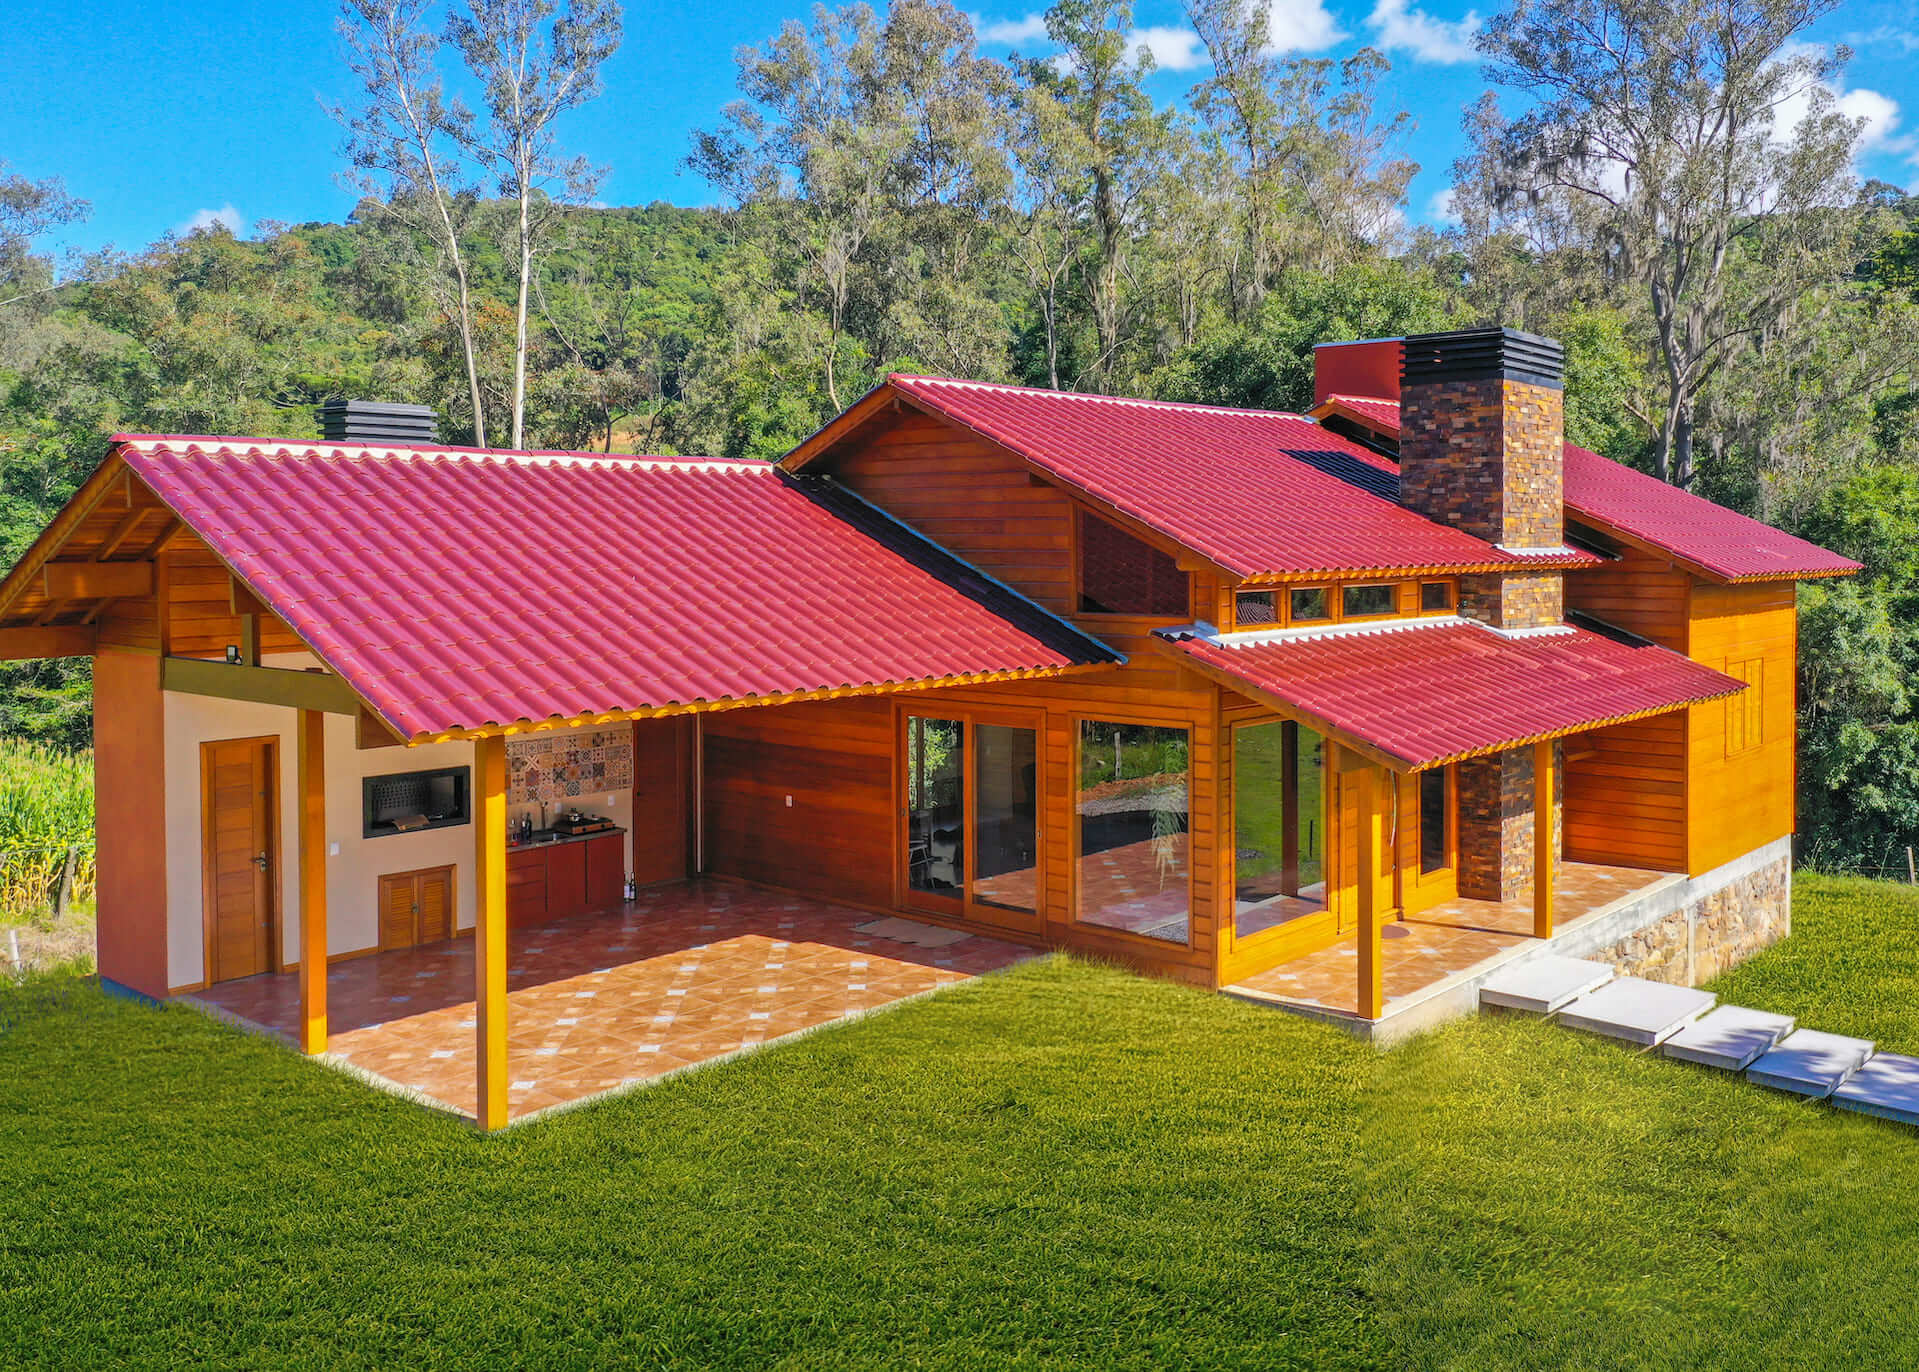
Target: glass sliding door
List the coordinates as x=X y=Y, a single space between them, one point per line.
x=972 y=818
x=1006 y=817
x=1132 y=809
x=1279 y=869
x=935 y=807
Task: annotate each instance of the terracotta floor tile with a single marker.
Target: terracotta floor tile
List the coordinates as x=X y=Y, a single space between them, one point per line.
x=680 y=972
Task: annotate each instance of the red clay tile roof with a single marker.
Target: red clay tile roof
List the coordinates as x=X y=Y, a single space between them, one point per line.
x=459 y=589
x=1427 y=693
x=1718 y=542
x=1264 y=495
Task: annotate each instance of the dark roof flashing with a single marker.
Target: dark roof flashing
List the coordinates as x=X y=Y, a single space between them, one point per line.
x=1485 y=354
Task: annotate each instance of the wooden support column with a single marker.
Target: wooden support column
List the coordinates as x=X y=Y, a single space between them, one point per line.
x=311 y=749
x=1372 y=980
x=489 y=930
x=1544 y=864
x=1289 y=808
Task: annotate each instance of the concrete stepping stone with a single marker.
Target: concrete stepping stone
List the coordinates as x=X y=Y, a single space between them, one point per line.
x=1810 y=1063
x=1728 y=1037
x=1887 y=1086
x=1544 y=984
x=1643 y=1012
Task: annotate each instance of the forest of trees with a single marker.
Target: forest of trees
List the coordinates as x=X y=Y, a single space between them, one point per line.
x=1669 y=188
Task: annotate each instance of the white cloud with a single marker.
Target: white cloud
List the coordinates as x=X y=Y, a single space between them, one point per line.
x=1012 y=32
x=225 y=217
x=1173 y=49
x=1301 y=26
x=1399 y=27
x=1879 y=113
x=1439 y=209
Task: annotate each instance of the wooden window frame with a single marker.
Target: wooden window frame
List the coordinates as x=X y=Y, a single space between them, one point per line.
x=1332 y=603
x=1392 y=610
x=1451 y=586
x=1074 y=721
x=1313 y=931
x=963 y=908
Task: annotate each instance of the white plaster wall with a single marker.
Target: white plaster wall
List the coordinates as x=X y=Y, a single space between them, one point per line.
x=353 y=872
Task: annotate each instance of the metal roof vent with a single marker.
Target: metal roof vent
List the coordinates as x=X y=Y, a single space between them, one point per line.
x=379 y=421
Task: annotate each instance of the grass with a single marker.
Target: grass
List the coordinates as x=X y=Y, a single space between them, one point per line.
x=1062 y=1165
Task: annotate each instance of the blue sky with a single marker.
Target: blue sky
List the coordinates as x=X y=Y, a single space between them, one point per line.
x=164 y=112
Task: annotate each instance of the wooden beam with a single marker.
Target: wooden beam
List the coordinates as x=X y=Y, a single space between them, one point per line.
x=263 y=685
x=93 y=580
x=370 y=731
x=1544 y=866
x=250 y=640
x=244 y=602
x=1372 y=981
x=67 y=640
x=312 y=864
x=121 y=531
x=489 y=931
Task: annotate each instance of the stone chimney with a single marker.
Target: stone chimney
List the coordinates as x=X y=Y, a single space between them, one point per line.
x=1482 y=448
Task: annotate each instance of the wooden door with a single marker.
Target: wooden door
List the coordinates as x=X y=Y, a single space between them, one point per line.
x=662 y=801
x=240 y=857
x=970 y=836
x=416 y=907
x=605 y=871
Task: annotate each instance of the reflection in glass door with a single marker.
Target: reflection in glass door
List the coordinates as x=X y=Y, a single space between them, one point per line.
x=935 y=806
x=1006 y=817
x=972 y=819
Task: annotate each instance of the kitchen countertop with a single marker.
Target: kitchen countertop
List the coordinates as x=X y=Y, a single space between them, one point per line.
x=546 y=838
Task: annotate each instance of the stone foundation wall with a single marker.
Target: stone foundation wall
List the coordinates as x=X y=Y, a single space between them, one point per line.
x=1716 y=931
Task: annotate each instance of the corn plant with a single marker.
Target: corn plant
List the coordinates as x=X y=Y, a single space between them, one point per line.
x=46 y=828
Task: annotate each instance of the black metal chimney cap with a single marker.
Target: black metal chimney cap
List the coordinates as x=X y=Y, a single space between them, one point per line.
x=378 y=421
x=1482 y=355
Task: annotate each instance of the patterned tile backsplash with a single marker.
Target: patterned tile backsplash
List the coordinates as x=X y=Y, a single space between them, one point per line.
x=553 y=767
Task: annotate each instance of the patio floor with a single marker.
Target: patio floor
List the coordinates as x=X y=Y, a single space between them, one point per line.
x=1440 y=942
x=685 y=974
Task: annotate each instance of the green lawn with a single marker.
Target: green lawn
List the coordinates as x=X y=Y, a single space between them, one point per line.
x=1064 y=1164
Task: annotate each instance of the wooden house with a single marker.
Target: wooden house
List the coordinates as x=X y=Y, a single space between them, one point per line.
x=1204 y=691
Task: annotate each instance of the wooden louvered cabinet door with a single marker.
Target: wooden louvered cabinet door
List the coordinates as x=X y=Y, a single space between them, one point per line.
x=436 y=904
x=416 y=907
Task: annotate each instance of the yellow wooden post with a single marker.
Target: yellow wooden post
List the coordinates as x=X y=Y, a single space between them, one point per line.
x=1543 y=855
x=489 y=930
x=1372 y=981
x=311 y=750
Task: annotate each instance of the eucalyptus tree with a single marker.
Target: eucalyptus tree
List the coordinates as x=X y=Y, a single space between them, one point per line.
x=534 y=60
x=1670 y=136
x=871 y=150
x=1114 y=148
x=402 y=142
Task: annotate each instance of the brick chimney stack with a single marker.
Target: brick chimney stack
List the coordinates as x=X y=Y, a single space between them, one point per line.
x=1482 y=448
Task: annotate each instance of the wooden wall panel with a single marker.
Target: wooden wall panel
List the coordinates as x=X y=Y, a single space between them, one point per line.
x=129 y=820
x=1625 y=794
x=1641 y=593
x=971 y=497
x=1741 y=771
x=835 y=759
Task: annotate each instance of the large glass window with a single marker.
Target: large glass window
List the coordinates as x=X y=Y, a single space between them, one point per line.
x=1132 y=805
x=1363 y=602
x=1120 y=575
x=1006 y=817
x=935 y=805
x=1279 y=869
x=1435 y=847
